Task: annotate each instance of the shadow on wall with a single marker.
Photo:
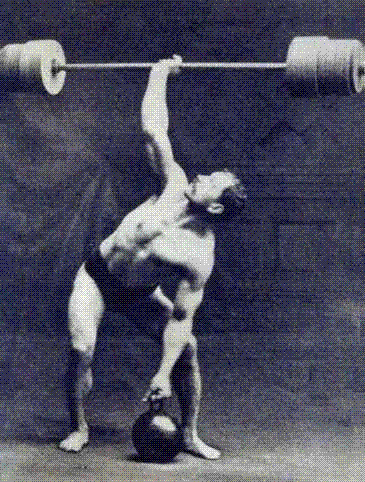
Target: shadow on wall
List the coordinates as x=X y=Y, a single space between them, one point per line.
x=58 y=198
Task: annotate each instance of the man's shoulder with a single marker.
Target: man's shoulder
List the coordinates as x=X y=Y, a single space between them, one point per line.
x=174 y=185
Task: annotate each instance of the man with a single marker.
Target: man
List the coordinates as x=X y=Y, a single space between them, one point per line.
x=170 y=233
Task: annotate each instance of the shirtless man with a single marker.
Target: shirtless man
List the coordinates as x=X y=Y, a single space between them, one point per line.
x=169 y=233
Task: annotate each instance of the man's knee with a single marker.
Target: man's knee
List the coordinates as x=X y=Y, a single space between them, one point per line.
x=191 y=348
x=188 y=359
x=79 y=372
x=193 y=343
x=83 y=338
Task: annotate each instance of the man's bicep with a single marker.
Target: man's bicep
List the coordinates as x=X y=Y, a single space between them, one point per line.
x=159 y=152
x=172 y=177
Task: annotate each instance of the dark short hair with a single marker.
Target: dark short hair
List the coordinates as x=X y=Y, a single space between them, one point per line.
x=233 y=199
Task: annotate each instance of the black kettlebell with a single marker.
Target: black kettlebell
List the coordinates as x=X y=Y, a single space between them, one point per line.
x=157 y=436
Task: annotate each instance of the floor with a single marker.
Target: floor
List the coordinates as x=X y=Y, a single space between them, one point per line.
x=267 y=430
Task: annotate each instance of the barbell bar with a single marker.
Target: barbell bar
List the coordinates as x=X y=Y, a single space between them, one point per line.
x=314 y=66
x=189 y=65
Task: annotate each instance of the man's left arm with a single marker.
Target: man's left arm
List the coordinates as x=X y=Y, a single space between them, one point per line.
x=177 y=334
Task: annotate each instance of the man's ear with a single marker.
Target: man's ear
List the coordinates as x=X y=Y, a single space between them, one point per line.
x=215 y=208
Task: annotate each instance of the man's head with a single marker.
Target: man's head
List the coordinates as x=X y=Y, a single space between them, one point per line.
x=221 y=195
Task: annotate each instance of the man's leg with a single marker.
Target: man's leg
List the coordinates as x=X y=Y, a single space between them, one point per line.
x=85 y=311
x=186 y=382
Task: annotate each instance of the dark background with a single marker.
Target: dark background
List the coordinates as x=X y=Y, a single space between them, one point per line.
x=71 y=167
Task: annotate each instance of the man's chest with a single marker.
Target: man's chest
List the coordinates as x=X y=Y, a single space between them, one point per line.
x=152 y=243
x=149 y=236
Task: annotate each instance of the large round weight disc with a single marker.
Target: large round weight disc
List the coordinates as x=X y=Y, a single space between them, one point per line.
x=357 y=82
x=340 y=64
x=9 y=66
x=301 y=66
x=36 y=63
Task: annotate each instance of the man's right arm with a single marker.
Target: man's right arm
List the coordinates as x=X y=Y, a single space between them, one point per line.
x=155 y=122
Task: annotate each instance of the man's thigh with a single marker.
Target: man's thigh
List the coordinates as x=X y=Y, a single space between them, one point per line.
x=85 y=311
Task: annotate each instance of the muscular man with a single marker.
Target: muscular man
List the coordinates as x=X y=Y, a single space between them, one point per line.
x=170 y=233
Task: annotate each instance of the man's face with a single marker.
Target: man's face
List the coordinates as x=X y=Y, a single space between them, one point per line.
x=206 y=190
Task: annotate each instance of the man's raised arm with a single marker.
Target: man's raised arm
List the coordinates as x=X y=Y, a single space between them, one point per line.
x=155 y=120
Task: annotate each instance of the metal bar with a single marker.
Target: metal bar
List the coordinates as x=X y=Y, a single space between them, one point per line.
x=190 y=65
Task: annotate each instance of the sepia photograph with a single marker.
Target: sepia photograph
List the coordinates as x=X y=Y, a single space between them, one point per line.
x=182 y=241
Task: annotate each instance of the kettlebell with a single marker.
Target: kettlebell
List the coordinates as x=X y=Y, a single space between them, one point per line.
x=157 y=436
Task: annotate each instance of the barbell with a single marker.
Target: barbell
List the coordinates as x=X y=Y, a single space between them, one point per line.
x=314 y=66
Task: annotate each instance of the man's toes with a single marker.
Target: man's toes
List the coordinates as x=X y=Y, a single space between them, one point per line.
x=213 y=454
x=208 y=453
x=74 y=442
x=197 y=447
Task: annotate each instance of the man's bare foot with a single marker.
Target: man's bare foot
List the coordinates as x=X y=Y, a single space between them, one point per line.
x=75 y=441
x=192 y=444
